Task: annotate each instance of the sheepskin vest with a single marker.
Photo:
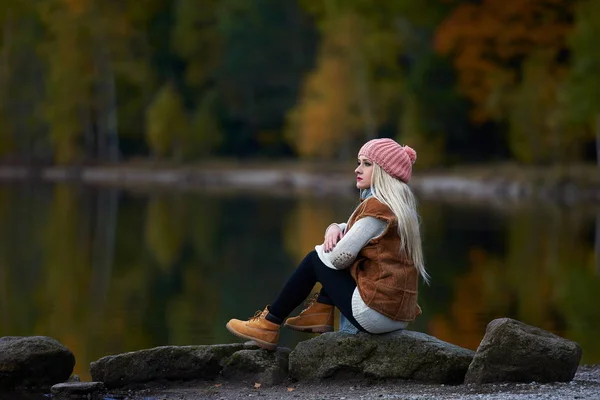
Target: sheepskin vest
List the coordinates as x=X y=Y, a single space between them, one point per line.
x=386 y=279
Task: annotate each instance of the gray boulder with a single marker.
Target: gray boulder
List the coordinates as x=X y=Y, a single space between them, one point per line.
x=397 y=355
x=163 y=363
x=77 y=390
x=33 y=362
x=265 y=367
x=512 y=351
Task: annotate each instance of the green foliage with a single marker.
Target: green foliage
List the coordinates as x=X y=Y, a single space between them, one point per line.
x=205 y=133
x=164 y=233
x=167 y=123
x=531 y=112
x=413 y=132
x=582 y=88
x=196 y=39
x=301 y=78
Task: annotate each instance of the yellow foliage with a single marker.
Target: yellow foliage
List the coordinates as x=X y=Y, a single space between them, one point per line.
x=164 y=231
x=166 y=120
x=305 y=226
x=327 y=111
x=70 y=78
x=205 y=133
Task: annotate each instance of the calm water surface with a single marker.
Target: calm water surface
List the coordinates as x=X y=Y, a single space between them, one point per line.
x=105 y=271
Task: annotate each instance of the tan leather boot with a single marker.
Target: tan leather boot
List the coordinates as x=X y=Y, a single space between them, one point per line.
x=316 y=318
x=264 y=333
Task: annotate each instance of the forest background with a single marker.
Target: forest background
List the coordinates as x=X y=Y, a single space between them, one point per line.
x=89 y=81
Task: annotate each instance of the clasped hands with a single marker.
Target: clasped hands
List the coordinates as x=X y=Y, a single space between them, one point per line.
x=332 y=236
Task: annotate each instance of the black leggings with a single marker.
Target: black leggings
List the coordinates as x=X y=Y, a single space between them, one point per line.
x=338 y=287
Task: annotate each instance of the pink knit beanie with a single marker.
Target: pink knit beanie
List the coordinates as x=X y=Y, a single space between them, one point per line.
x=396 y=160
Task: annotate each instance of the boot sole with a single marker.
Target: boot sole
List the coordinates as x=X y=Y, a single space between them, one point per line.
x=311 y=329
x=260 y=343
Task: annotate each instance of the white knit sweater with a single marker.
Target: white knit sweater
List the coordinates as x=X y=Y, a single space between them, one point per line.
x=343 y=255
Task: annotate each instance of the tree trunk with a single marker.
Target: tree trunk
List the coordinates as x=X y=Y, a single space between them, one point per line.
x=5 y=47
x=106 y=116
x=111 y=116
x=103 y=231
x=106 y=98
x=88 y=132
x=5 y=60
x=364 y=97
x=597 y=245
x=598 y=140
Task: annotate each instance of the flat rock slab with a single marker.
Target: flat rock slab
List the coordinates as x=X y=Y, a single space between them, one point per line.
x=264 y=367
x=164 y=363
x=397 y=355
x=70 y=390
x=36 y=362
x=512 y=351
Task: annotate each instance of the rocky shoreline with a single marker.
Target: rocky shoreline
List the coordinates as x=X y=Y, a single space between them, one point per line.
x=514 y=360
x=568 y=187
x=584 y=386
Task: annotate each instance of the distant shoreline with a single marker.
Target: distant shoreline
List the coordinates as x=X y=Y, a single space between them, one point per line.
x=566 y=186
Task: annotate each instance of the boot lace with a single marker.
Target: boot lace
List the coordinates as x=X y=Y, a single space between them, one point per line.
x=258 y=315
x=312 y=300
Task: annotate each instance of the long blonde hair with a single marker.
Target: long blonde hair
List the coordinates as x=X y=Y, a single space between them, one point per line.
x=400 y=199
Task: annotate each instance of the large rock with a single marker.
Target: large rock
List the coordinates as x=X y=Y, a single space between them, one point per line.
x=265 y=367
x=512 y=351
x=163 y=363
x=33 y=362
x=77 y=390
x=397 y=355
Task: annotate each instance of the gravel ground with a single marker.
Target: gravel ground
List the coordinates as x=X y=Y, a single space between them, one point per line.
x=585 y=385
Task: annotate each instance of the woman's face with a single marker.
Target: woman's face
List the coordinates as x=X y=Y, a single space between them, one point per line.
x=363 y=173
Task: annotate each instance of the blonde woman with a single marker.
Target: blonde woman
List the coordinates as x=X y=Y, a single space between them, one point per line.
x=368 y=267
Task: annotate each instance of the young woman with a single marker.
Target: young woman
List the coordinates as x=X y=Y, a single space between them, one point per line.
x=368 y=267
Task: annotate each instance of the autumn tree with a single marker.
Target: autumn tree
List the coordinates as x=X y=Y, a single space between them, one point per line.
x=195 y=37
x=21 y=74
x=326 y=117
x=510 y=62
x=388 y=81
x=87 y=49
x=167 y=122
x=582 y=87
x=347 y=97
x=268 y=47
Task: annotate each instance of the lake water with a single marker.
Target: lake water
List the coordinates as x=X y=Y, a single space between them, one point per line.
x=107 y=271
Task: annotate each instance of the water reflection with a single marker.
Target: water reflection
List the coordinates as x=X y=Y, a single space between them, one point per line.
x=107 y=272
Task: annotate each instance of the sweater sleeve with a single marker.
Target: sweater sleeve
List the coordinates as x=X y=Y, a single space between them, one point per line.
x=346 y=250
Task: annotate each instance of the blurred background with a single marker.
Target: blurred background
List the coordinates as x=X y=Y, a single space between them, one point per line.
x=481 y=87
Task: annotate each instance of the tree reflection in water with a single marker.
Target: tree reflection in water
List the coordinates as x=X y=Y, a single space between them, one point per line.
x=105 y=271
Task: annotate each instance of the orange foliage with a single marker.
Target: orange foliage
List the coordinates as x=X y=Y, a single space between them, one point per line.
x=76 y=7
x=489 y=41
x=326 y=114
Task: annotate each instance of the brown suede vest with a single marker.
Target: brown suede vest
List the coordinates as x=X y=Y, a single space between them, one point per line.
x=387 y=280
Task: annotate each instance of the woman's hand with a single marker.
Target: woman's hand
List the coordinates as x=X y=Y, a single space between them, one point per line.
x=332 y=236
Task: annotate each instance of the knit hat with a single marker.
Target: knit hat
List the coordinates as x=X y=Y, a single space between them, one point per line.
x=396 y=160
